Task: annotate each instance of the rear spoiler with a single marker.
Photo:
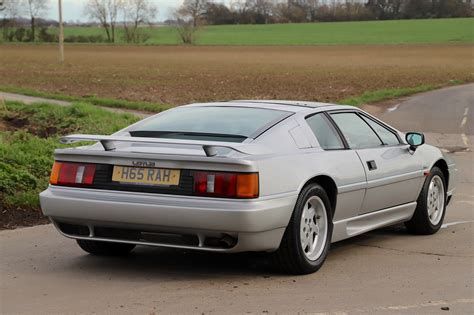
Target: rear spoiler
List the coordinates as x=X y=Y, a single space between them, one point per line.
x=209 y=147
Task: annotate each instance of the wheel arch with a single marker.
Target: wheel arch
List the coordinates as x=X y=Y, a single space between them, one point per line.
x=329 y=186
x=443 y=166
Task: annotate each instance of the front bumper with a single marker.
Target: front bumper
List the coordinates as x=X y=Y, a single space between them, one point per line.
x=257 y=225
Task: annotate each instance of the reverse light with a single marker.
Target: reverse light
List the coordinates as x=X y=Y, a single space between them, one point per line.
x=72 y=174
x=226 y=185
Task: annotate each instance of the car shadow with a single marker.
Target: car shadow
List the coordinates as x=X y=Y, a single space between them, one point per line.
x=156 y=262
x=176 y=264
x=373 y=237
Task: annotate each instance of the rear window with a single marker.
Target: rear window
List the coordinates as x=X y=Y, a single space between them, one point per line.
x=230 y=124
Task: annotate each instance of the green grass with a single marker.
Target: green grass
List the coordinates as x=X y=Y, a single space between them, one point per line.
x=385 y=94
x=431 y=31
x=94 y=100
x=26 y=154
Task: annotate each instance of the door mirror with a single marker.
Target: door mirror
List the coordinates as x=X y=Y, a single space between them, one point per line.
x=415 y=139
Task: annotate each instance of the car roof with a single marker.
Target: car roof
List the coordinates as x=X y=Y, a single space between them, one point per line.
x=282 y=102
x=290 y=106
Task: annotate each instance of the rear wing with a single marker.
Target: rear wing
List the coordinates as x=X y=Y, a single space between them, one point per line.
x=209 y=147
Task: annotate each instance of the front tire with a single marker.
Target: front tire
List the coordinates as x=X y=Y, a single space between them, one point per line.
x=431 y=207
x=105 y=248
x=307 y=238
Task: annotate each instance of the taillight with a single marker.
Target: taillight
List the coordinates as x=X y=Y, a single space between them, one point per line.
x=226 y=185
x=72 y=174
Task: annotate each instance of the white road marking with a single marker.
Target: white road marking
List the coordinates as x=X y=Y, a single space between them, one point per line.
x=407 y=307
x=465 y=139
x=464 y=118
x=455 y=223
x=394 y=108
x=430 y=304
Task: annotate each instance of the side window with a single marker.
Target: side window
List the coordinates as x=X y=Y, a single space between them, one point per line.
x=356 y=131
x=327 y=136
x=387 y=136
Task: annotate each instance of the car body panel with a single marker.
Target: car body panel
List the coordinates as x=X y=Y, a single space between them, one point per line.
x=188 y=212
x=287 y=156
x=396 y=180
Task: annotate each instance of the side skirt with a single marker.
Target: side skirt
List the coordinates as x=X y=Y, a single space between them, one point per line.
x=347 y=228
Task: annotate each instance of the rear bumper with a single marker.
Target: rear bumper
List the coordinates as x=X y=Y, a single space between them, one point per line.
x=256 y=224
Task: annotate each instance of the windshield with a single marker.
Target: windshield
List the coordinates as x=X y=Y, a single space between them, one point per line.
x=210 y=123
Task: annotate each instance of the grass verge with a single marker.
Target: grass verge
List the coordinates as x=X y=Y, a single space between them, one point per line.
x=385 y=94
x=28 y=137
x=94 y=100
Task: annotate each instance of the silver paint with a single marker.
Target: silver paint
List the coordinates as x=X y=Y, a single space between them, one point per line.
x=286 y=157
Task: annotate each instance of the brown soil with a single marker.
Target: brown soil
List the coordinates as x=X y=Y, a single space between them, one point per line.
x=3 y=126
x=12 y=218
x=178 y=75
x=19 y=121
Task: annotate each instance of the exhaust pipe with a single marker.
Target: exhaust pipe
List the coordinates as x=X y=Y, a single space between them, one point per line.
x=228 y=241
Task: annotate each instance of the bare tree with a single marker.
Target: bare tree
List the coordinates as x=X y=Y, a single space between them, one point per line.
x=35 y=8
x=263 y=10
x=189 y=18
x=106 y=13
x=185 y=28
x=243 y=11
x=9 y=11
x=194 y=10
x=135 y=13
x=9 y=8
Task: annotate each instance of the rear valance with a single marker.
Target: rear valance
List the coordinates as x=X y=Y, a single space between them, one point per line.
x=209 y=147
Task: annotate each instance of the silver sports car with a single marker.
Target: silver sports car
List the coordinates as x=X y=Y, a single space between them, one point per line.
x=288 y=178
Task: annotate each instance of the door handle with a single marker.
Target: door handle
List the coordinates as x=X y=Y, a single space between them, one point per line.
x=372 y=165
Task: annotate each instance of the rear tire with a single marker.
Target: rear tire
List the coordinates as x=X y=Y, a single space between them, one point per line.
x=307 y=238
x=105 y=248
x=431 y=207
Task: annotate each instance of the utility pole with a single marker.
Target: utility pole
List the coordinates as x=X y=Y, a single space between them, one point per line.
x=61 y=32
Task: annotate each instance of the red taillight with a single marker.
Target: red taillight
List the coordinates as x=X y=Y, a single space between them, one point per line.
x=227 y=185
x=72 y=174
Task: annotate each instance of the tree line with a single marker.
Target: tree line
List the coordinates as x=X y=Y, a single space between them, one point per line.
x=299 y=11
x=195 y=13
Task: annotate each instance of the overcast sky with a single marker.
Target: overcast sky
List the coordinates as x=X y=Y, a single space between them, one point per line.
x=73 y=9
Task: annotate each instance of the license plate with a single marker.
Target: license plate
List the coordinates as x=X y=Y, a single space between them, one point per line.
x=145 y=176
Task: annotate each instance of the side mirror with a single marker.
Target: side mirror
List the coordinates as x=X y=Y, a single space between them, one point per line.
x=415 y=139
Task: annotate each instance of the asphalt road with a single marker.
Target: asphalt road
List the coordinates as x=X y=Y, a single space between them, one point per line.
x=385 y=271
